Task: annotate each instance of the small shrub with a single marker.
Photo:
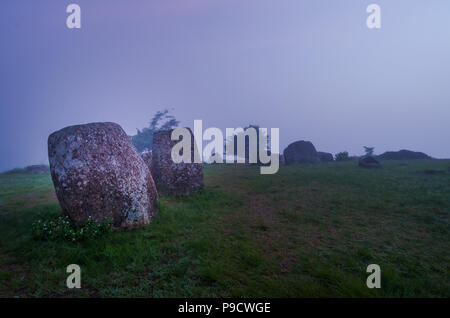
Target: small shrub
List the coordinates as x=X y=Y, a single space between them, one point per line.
x=60 y=228
x=342 y=156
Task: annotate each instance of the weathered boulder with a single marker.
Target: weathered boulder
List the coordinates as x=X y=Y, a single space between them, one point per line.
x=37 y=169
x=325 y=156
x=368 y=162
x=147 y=157
x=174 y=178
x=403 y=155
x=98 y=173
x=301 y=152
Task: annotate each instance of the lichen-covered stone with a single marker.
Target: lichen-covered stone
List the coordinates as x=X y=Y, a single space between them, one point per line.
x=170 y=177
x=98 y=173
x=301 y=152
x=147 y=157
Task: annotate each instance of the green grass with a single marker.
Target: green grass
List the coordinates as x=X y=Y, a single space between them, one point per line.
x=308 y=231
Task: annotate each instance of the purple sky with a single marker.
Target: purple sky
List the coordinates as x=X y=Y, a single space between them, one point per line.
x=311 y=68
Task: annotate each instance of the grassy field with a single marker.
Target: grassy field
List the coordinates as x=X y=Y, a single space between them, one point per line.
x=308 y=231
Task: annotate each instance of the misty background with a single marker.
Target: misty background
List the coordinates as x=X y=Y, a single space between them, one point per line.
x=311 y=68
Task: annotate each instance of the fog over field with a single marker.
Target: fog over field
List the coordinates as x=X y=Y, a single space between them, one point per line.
x=311 y=68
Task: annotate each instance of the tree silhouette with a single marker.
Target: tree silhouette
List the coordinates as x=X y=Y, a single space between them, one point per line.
x=162 y=120
x=369 y=151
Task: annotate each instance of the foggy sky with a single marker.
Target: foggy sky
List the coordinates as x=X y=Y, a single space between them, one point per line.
x=311 y=68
